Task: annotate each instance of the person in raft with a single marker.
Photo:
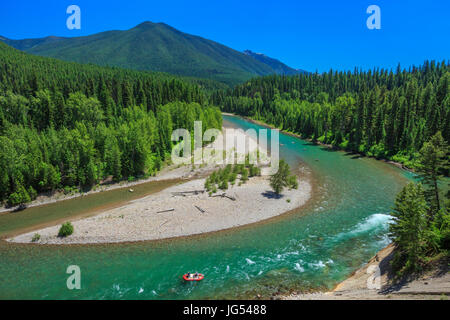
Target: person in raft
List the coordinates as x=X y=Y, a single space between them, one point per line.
x=192 y=276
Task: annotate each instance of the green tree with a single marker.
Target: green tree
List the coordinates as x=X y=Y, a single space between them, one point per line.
x=408 y=230
x=19 y=196
x=283 y=178
x=48 y=178
x=65 y=230
x=433 y=162
x=112 y=158
x=223 y=185
x=378 y=113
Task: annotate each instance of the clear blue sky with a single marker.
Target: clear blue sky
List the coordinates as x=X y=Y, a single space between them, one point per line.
x=312 y=35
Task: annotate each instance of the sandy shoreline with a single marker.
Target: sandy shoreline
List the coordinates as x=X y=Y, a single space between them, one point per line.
x=170 y=172
x=167 y=214
x=142 y=219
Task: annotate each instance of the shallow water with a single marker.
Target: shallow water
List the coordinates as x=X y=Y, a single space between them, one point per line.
x=316 y=247
x=33 y=218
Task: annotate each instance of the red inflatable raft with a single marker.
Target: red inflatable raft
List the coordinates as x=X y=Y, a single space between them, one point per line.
x=191 y=277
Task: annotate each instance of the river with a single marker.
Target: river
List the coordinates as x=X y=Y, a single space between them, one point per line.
x=338 y=231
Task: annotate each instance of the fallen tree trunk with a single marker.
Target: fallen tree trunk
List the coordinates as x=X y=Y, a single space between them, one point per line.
x=224 y=195
x=200 y=209
x=168 y=210
x=185 y=193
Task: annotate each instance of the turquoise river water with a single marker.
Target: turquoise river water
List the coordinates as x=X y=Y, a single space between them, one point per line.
x=341 y=227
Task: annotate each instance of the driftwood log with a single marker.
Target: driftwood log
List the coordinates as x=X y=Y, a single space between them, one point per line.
x=168 y=210
x=200 y=209
x=163 y=223
x=224 y=195
x=186 y=193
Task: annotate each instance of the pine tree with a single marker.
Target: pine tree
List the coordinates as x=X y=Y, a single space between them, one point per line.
x=408 y=230
x=283 y=178
x=433 y=162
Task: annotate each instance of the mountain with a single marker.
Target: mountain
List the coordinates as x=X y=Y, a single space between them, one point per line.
x=29 y=44
x=278 y=66
x=155 y=47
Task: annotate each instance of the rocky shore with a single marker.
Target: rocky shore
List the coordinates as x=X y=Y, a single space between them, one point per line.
x=180 y=210
x=361 y=285
x=186 y=209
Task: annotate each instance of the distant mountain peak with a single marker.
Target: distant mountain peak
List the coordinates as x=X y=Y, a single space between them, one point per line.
x=54 y=38
x=145 y=24
x=275 y=64
x=150 y=24
x=250 y=53
x=156 y=46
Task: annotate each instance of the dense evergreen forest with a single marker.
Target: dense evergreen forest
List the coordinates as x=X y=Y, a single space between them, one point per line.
x=403 y=116
x=378 y=113
x=420 y=229
x=156 y=47
x=67 y=125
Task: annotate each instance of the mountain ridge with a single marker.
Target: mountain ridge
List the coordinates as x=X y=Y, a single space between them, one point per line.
x=276 y=64
x=154 y=47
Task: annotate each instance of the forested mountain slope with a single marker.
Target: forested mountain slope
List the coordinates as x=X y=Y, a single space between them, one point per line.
x=278 y=66
x=66 y=125
x=379 y=113
x=155 y=47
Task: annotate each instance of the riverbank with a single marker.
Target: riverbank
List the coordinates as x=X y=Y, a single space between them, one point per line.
x=185 y=209
x=281 y=254
x=169 y=172
x=432 y=285
x=263 y=124
x=170 y=214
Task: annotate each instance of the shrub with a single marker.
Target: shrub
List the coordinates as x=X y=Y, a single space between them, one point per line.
x=36 y=237
x=207 y=184
x=445 y=239
x=229 y=175
x=292 y=182
x=244 y=175
x=344 y=144
x=254 y=171
x=224 y=185
x=65 y=230
x=19 y=197
x=213 y=177
x=70 y=190
x=32 y=193
x=378 y=151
